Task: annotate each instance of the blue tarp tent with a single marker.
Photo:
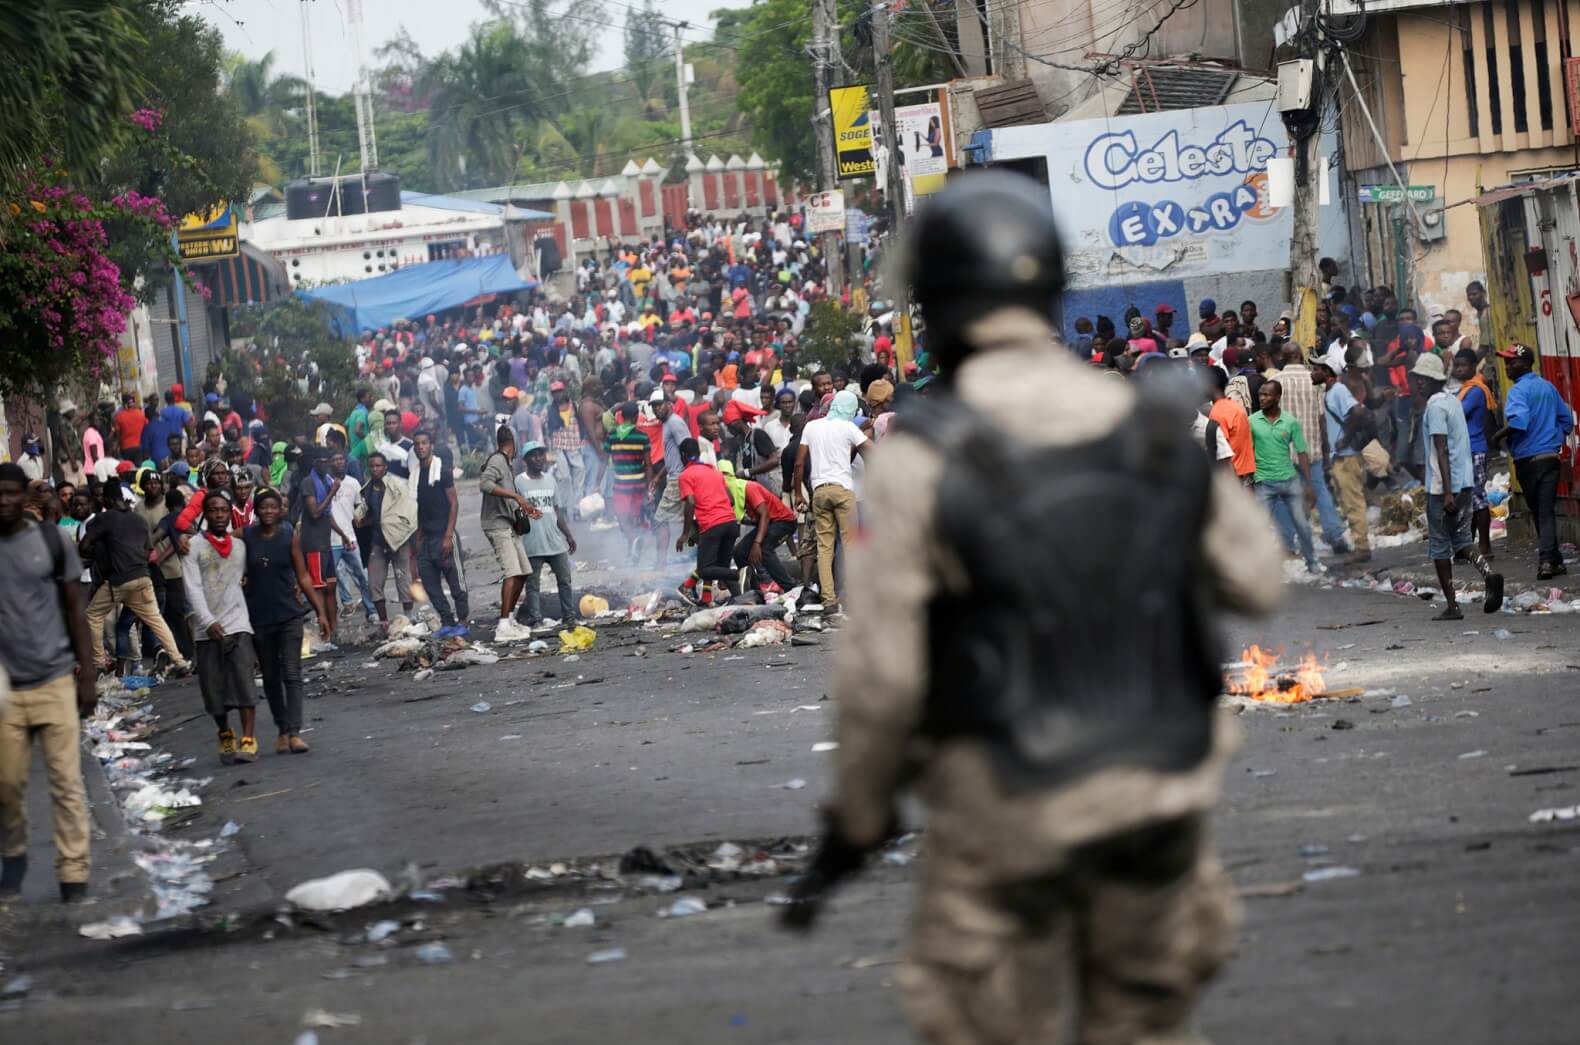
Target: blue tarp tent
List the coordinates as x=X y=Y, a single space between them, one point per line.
x=416 y=290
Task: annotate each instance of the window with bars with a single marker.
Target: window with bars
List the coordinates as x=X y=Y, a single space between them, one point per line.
x=1533 y=99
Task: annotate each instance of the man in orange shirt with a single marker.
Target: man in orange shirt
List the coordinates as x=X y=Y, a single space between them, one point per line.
x=130 y=420
x=1234 y=424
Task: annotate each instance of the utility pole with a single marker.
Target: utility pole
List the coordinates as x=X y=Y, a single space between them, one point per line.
x=894 y=191
x=825 y=44
x=312 y=106
x=1300 y=95
x=681 y=86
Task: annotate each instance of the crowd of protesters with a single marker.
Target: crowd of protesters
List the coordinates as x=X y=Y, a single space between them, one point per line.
x=670 y=394
x=1330 y=427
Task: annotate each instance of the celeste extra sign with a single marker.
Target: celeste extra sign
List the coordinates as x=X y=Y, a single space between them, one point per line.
x=1197 y=184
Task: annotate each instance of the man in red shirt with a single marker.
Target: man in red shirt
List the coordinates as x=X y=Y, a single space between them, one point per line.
x=130 y=420
x=710 y=525
x=1234 y=423
x=774 y=524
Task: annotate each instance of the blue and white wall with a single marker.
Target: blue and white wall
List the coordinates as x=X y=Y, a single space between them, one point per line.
x=1168 y=208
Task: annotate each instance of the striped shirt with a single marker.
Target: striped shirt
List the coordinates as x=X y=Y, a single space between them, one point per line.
x=628 y=456
x=1302 y=400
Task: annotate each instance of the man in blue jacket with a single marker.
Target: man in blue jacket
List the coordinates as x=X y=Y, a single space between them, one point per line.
x=1536 y=421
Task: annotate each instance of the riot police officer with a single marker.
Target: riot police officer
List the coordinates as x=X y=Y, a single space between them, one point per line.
x=1031 y=646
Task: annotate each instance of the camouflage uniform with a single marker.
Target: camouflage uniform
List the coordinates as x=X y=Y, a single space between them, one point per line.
x=1108 y=880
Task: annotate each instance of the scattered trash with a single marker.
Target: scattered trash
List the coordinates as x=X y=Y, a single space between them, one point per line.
x=580 y=919
x=340 y=892
x=825 y=745
x=482 y=707
x=613 y=954
x=230 y=830
x=397 y=648
x=1328 y=874
x=1472 y=754
x=793 y=785
x=765 y=633
x=684 y=906
x=17 y=985
x=152 y=802
x=112 y=929
x=1467 y=714
x=1545 y=816
x=537 y=646
x=423 y=676
x=434 y=954
x=1502 y=634
x=578 y=638
x=1309 y=851
x=307 y=1037
x=1401 y=701
x=896 y=858
x=382 y=930
x=593 y=605
x=1342 y=723
x=511 y=736
x=590 y=505
x=1264 y=772
x=323 y=1019
x=466 y=657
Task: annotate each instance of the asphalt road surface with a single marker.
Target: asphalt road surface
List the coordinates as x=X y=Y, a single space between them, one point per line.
x=1462 y=923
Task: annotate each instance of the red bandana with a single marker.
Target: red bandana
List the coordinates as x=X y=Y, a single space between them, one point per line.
x=221 y=544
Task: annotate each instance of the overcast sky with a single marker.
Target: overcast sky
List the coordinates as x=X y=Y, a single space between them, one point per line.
x=256 y=27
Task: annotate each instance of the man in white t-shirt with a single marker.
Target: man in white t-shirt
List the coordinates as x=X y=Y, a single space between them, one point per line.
x=823 y=469
x=343 y=539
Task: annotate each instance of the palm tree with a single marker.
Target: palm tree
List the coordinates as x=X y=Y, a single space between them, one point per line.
x=484 y=100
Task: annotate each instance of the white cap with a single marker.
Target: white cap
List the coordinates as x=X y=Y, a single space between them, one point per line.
x=657 y=396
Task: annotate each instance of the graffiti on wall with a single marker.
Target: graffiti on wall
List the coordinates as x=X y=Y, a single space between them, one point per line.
x=1118 y=161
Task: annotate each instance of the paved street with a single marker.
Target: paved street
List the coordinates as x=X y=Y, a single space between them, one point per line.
x=1461 y=925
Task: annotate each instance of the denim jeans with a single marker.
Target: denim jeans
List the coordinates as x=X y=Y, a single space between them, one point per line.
x=1333 y=530
x=350 y=571
x=279 y=649
x=1286 y=496
x=561 y=565
x=436 y=571
x=590 y=462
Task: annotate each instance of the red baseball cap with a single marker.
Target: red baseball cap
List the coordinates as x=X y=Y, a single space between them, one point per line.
x=1518 y=351
x=735 y=410
x=556 y=386
x=1165 y=307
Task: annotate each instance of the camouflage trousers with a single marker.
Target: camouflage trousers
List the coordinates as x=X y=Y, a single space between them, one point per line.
x=1113 y=949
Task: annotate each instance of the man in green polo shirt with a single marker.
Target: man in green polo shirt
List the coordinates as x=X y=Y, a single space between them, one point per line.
x=1280 y=446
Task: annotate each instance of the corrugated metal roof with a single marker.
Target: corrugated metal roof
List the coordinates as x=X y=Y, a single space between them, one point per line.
x=457 y=203
x=1161 y=88
x=542 y=190
x=1509 y=192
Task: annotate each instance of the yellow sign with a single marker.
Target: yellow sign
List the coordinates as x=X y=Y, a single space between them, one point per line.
x=208 y=235
x=850 y=109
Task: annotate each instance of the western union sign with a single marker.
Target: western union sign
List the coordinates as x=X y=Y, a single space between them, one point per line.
x=208 y=235
x=851 y=111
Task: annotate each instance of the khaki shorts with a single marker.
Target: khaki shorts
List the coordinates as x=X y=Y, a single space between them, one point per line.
x=510 y=552
x=669 y=509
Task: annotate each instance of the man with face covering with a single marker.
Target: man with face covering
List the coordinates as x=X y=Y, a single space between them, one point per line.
x=1068 y=769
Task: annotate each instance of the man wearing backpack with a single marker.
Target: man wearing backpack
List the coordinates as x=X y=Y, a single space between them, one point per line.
x=503 y=513
x=46 y=652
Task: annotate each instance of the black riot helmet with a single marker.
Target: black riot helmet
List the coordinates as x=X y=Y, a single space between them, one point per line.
x=986 y=242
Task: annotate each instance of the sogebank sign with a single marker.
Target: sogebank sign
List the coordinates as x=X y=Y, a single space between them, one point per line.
x=1193 y=178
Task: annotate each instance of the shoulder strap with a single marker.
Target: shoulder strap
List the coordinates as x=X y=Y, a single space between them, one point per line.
x=57 y=551
x=1212 y=439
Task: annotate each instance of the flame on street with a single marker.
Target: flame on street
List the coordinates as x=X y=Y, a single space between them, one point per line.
x=1257 y=676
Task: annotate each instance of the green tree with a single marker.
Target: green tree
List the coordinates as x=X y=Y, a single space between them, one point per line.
x=829 y=336
x=291 y=332
x=648 y=47
x=70 y=71
x=199 y=155
x=776 y=83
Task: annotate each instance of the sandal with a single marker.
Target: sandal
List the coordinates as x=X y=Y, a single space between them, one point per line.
x=1451 y=612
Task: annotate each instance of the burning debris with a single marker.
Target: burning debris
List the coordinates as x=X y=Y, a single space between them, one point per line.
x=1257 y=675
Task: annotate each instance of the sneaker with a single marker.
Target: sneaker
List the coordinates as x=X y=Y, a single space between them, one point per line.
x=771 y=588
x=73 y=892
x=298 y=745
x=282 y=746
x=1342 y=548
x=1559 y=568
x=459 y=631
x=509 y=631
x=1544 y=572
x=12 y=870
x=743 y=579
x=227 y=747
x=1494 y=600
x=248 y=751
x=1359 y=556
x=689 y=596
x=444 y=631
